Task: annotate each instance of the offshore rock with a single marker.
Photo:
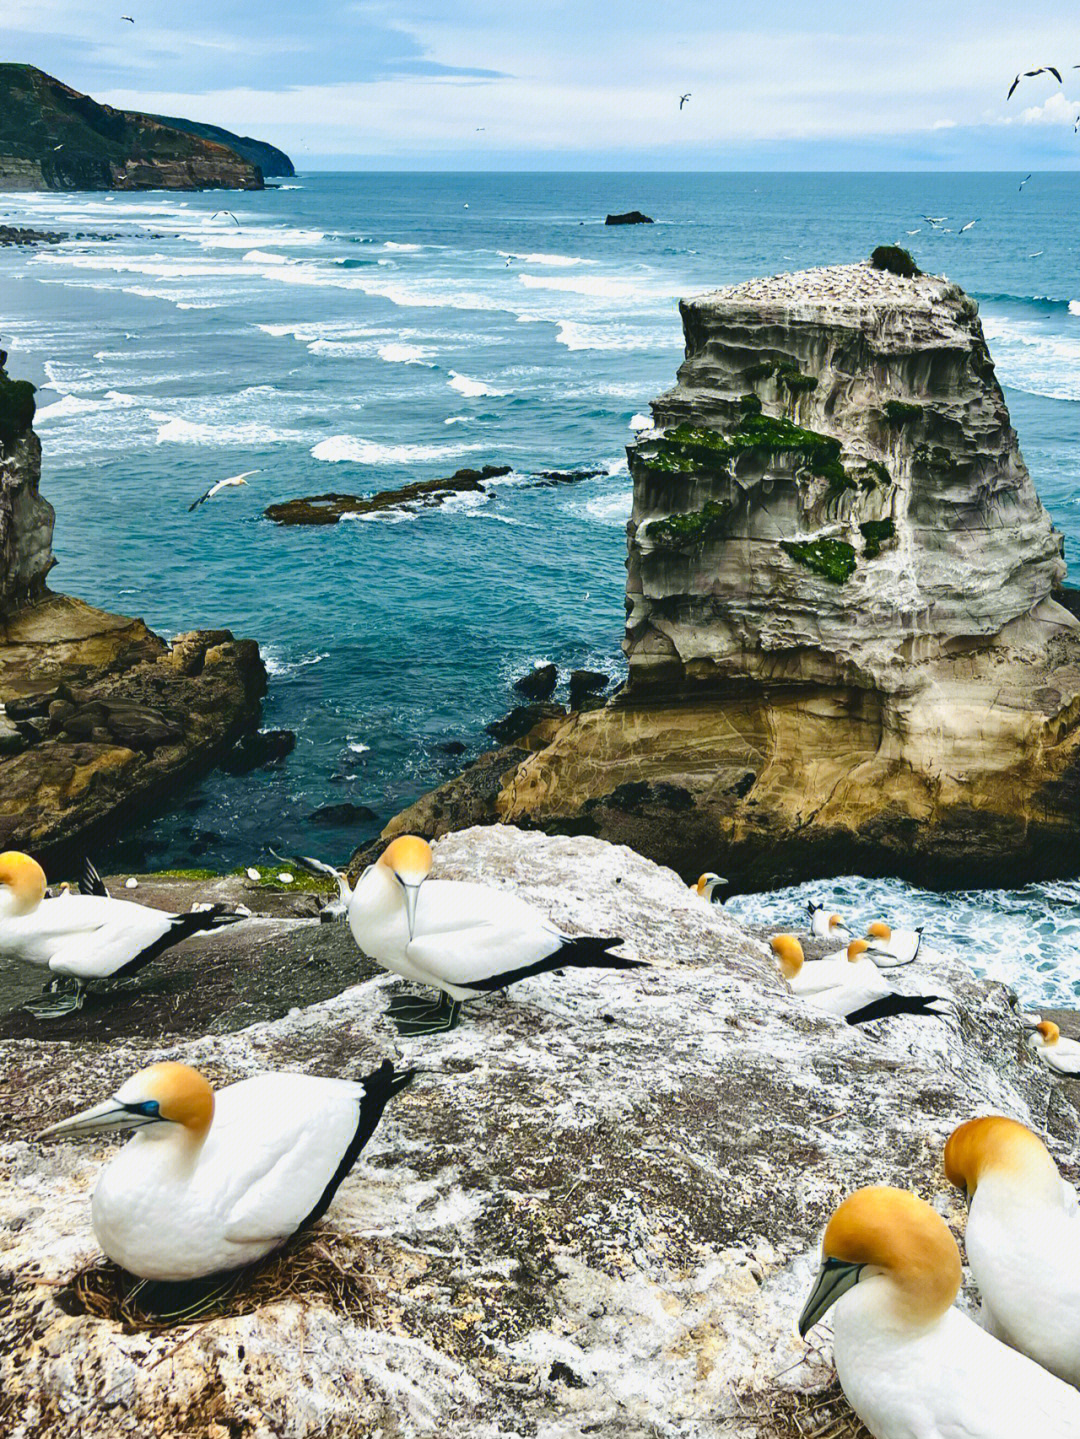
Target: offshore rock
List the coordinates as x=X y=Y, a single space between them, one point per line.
x=419 y=495
x=595 y=1212
x=845 y=650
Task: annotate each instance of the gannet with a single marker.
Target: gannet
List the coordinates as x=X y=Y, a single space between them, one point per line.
x=850 y=988
x=1061 y=1056
x=824 y=925
x=1022 y=1240
x=707 y=886
x=460 y=938
x=890 y=948
x=911 y=1365
x=83 y=936
x=211 y=1183
x=231 y=482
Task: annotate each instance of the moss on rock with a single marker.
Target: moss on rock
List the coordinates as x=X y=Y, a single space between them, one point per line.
x=692 y=528
x=875 y=533
x=16 y=408
x=832 y=559
x=898 y=412
x=793 y=379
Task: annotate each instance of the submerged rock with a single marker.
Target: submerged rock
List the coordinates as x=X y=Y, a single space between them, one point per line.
x=259 y=748
x=422 y=494
x=344 y=813
x=595 y=1212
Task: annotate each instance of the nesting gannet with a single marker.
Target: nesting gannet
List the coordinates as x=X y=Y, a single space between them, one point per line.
x=211 y=1183
x=83 y=936
x=1061 y=1056
x=824 y=925
x=911 y=1365
x=890 y=948
x=850 y=988
x=1022 y=1240
x=460 y=938
x=707 y=886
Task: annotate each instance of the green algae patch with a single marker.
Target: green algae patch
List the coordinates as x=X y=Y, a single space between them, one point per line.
x=268 y=878
x=896 y=260
x=761 y=371
x=875 y=533
x=695 y=527
x=876 y=473
x=750 y=404
x=793 y=379
x=186 y=874
x=898 y=412
x=936 y=456
x=832 y=559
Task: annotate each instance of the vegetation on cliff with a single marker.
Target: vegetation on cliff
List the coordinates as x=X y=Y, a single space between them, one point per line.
x=16 y=407
x=269 y=159
x=832 y=559
x=896 y=260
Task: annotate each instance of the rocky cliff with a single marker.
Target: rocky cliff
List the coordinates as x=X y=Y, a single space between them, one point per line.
x=52 y=137
x=595 y=1212
x=269 y=159
x=844 y=646
x=97 y=713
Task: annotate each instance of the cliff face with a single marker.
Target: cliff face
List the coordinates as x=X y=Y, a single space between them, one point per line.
x=26 y=520
x=269 y=159
x=52 y=137
x=844 y=647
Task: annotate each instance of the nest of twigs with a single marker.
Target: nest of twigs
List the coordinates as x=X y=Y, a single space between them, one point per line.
x=789 y=1414
x=319 y=1266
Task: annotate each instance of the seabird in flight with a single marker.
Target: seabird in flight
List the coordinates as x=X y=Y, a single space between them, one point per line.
x=230 y=215
x=1023 y=182
x=683 y=99
x=223 y=485
x=968 y=226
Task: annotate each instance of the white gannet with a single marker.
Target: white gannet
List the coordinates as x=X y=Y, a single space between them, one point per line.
x=1022 y=1240
x=1061 y=1056
x=850 y=988
x=460 y=938
x=83 y=936
x=211 y=1183
x=231 y=482
x=824 y=925
x=707 y=886
x=890 y=948
x=910 y=1364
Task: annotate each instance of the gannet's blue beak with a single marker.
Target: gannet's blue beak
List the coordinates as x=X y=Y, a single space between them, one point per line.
x=412 y=892
x=835 y=1277
x=109 y=1117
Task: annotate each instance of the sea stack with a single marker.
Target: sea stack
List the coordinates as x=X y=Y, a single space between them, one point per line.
x=845 y=652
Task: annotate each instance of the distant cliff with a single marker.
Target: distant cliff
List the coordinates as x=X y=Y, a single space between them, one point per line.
x=270 y=160
x=54 y=138
x=846 y=651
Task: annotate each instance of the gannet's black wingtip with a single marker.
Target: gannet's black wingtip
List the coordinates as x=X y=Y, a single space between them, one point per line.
x=921 y=1005
x=90 y=882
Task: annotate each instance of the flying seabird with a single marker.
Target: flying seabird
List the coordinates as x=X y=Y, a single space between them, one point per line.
x=1061 y=1056
x=463 y=939
x=211 y=1183
x=223 y=485
x=891 y=948
x=968 y=226
x=935 y=219
x=1022 y=1239
x=707 y=886
x=850 y=988
x=230 y=215
x=908 y=1361
x=824 y=925
x=683 y=99
x=84 y=936
x=1023 y=182
x=1042 y=70
x=128 y=19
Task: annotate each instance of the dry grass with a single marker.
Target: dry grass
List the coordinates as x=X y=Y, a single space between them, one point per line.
x=786 y=1414
x=319 y=1266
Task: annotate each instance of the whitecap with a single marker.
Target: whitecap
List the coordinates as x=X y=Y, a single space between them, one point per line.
x=276 y=665
x=369 y=452
x=641 y=422
x=472 y=388
x=175 y=430
x=357 y=746
x=555 y=261
x=64 y=407
x=1074 y=307
x=396 y=353
x=394 y=245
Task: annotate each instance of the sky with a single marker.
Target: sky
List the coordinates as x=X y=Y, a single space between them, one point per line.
x=585 y=84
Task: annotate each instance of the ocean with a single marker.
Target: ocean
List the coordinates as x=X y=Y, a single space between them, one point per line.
x=351 y=332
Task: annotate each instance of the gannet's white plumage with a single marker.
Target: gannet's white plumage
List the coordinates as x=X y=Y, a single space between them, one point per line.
x=1023 y=1239
x=211 y=1182
x=1061 y=1056
x=851 y=987
x=911 y=1365
x=707 y=886
x=825 y=925
x=88 y=935
x=461 y=938
x=890 y=948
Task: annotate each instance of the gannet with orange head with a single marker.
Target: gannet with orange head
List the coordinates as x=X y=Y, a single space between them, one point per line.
x=210 y=1183
x=707 y=886
x=852 y=987
x=1061 y=1056
x=911 y=1365
x=84 y=936
x=461 y=938
x=890 y=948
x=1023 y=1239
x=824 y=924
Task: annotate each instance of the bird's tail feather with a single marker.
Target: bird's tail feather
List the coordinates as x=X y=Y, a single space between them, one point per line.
x=182 y=927
x=890 y=1004
x=586 y=951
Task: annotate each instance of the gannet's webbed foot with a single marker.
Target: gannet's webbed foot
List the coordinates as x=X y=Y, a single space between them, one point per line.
x=431 y=1019
x=403 y=1005
x=56 y=1001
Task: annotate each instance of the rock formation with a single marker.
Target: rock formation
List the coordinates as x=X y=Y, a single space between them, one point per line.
x=419 y=495
x=595 y=1212
x=268 y=158
x=97 y=713
x=844 y=646
x=54 y=138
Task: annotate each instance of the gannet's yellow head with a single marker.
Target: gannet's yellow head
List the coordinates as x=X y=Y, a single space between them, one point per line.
x=22 y=883
x=888 y=1234
x=856 y=949
x=707 y=883
x=167 y=1096
x=836 y=921
x=1048 y=1032
x=879 y=930
x=409 y=859
x=994 y=1145
x=789 y=952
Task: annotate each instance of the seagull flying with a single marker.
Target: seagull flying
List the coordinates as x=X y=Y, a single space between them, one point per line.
x=222 y=485
x=967 y=226
x=1023 y=182
x=683 y=99
x=1042 y=70
x=128 y=19
x=230 y=215
x=935 y=219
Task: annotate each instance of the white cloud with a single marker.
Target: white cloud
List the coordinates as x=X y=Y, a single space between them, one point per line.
x=1058 y=110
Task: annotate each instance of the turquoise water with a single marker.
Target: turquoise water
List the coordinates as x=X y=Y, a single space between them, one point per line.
x=354 y=332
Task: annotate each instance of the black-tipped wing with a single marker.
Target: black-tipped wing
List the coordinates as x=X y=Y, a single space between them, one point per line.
x=586 y=952
x=90 y=882
x=890 y=1004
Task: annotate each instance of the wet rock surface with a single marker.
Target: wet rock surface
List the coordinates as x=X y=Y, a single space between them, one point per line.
x=629 y=217
x=422 y=494
x=596 y=1211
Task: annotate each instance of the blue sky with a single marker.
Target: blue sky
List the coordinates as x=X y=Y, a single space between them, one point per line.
x=584 y=84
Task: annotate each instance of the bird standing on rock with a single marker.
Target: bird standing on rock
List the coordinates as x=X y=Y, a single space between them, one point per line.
x=910 y=1364
x=211 y=1183
x=1022 y=1239
x=463 y=939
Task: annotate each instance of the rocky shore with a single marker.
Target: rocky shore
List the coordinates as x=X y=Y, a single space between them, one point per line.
x=596 y=1211
x=846 y=647
x=421 y=494
x=98 y=715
